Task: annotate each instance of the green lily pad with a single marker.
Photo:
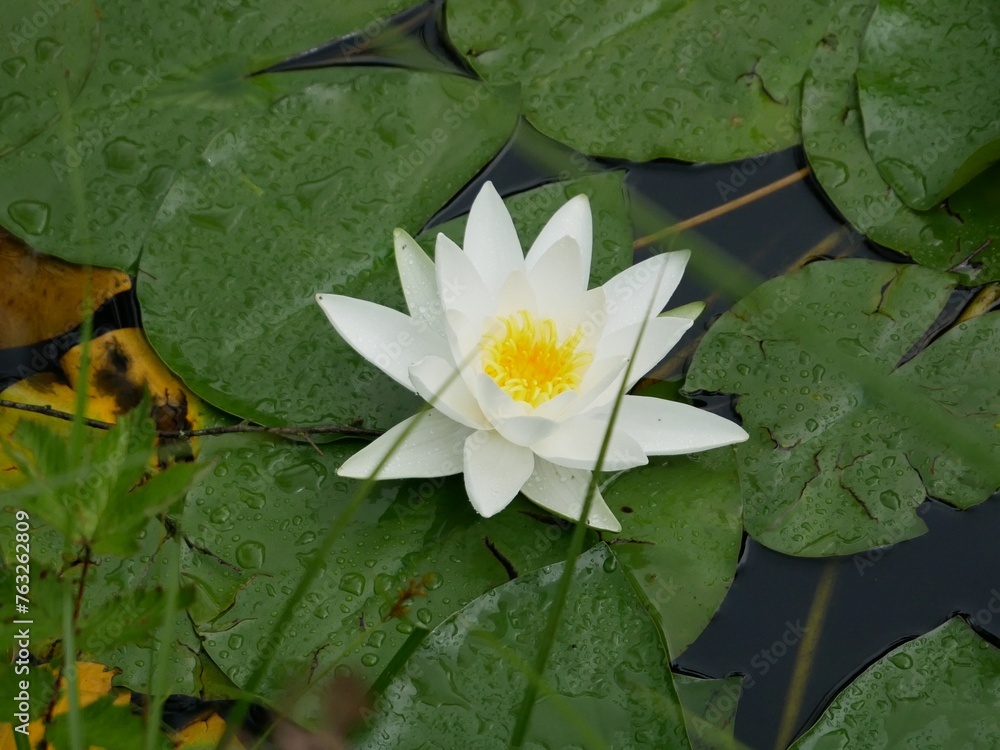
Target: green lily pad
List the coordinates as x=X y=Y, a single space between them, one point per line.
x=710 y=710
x=940 y=690
x=211 y=587
x=960 y=234
x=297 y=200
x=847 y=436
x=648 y=82
x=682 y=528
x=531 y=209
x=928 y=93
x=265 y=509
x=607 y=681
x=49 y=51
x=88 y=189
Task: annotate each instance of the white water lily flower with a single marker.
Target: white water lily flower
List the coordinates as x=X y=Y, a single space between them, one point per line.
x=522 y=363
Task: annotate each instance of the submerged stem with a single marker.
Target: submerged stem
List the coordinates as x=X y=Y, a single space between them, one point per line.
x=725 y=208
x=805 y=656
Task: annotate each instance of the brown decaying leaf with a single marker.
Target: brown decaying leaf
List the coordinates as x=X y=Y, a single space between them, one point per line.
x=42 y=297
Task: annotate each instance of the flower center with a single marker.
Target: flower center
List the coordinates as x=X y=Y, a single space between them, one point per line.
x=527 y=360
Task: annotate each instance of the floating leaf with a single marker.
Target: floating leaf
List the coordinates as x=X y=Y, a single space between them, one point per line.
x=681 y=535
x=414 y=553
x=607 y=680
x=710 y=710
x=297 y=200
x=145 y=111
x=649 y=82
x=961 y=233
x=204 y=734
x=188 y=670
x=48 y=55
x=847 y=434
x=928 y=94
x=940 y=690
x=99 y=702
x=42 y=297
x=123 y=367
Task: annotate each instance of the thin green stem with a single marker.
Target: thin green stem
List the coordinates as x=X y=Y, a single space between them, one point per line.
x=160 y=666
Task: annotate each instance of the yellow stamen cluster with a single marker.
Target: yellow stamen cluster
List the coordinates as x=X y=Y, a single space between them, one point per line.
x=527 y=360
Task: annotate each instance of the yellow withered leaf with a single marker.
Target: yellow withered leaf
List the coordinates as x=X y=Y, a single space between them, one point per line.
x=204 y=734
x=93 y=682
x=122 y=364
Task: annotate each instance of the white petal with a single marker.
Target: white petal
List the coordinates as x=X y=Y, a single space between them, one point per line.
x=526 y=430
x=557 y=406
x=552 y=276
x=584 y=311
x=600 y=386
x=643 y=290
x=562 y=491
x=439 y=383
x=574 y=220
x=516 y=421
x=417 y=276
x=658 y=338
x=659 y=335
x=490 y=238
x=602 y=372
x=385 y=337
x=496 y=403
x=432 y=448
x=691 y=311
x=460 y=287
x=495 y=470
x=577 y=442
x=464 y=340
x=667 y=428
x=515 y=294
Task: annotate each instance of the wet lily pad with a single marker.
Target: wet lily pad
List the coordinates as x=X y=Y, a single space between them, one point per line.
x=928 y=94
x=940 y=690
x=297 y=200
x=608 y=676
x=414 y=553
x=710 y=710
x=848 y=434
x=960 y=234
x=48 y=53
x=87 y=190
x=648 y=82
x=682 y=528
